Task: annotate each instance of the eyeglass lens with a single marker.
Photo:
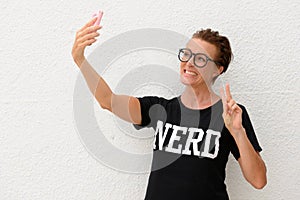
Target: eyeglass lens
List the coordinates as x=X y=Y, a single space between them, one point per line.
x=199 y=59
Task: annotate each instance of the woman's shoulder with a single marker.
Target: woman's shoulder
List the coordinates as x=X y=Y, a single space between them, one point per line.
x=154 y=99
x=159 y=98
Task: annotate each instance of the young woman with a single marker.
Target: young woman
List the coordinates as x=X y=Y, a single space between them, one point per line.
x=198 y=127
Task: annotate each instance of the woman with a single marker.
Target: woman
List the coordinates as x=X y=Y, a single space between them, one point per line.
x=198 y=127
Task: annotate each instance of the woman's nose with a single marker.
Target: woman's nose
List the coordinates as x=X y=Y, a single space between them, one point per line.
x=190 y=62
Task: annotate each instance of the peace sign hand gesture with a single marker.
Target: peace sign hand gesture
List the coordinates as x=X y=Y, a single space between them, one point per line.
x=232 y=113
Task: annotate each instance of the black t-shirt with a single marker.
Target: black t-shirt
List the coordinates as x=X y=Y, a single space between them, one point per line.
x=190 y=149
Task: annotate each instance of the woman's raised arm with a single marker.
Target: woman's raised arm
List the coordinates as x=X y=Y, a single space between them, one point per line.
x=124 y=106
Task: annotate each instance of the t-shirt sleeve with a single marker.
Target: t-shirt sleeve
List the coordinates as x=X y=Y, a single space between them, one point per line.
x=147 y=113
x=250 y=134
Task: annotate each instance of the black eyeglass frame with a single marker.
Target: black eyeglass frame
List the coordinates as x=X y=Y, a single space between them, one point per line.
x=195 y=54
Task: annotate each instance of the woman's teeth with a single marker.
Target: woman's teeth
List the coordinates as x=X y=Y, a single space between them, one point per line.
x=189 y=72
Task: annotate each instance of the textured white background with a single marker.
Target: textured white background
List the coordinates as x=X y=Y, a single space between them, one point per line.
x=41 y=154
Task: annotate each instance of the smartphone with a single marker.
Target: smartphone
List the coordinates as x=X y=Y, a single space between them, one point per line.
x=99 y=15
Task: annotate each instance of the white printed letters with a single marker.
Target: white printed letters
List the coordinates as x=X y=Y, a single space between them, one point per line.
x=176 y=143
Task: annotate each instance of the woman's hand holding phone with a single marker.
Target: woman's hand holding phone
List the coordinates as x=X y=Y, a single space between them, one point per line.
x=86 y=36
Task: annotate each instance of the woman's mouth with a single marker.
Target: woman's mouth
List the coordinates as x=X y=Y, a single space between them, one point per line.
x=189 y=72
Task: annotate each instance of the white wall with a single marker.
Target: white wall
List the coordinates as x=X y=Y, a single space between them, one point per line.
x=41 y=153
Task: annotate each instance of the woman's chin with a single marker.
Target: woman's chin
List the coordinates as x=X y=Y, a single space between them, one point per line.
x=186 y=82
x=191 y=82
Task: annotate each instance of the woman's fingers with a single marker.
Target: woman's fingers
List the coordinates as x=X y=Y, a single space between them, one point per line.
x=88 y=24
x=235 y=107
x=228 y=93
x=231 y=103
x=232 y=106
x=224 y=101
x=88 y=42
x=87 y=37
x=88 y=30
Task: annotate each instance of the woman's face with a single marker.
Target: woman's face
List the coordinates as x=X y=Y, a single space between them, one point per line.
x=194 y=76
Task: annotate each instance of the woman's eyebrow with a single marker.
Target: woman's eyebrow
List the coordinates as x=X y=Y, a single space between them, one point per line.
x=198 y=51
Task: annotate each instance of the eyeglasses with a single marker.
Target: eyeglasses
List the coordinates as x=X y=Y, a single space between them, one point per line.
x=200 y=59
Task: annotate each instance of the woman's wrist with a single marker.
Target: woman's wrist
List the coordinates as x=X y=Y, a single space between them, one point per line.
x=237 y=133
x=79 y=61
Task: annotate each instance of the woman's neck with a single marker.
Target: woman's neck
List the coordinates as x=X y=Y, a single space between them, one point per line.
x=199 y=98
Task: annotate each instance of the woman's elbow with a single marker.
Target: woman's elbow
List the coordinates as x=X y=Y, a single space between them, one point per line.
x=105 y=107
x=260 y=184
x=104 y=102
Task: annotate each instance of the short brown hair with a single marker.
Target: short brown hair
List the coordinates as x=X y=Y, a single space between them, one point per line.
x=221 y=42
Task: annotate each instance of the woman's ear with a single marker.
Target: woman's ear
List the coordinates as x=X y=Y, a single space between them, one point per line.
x=218 y=72
x=220 y=69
